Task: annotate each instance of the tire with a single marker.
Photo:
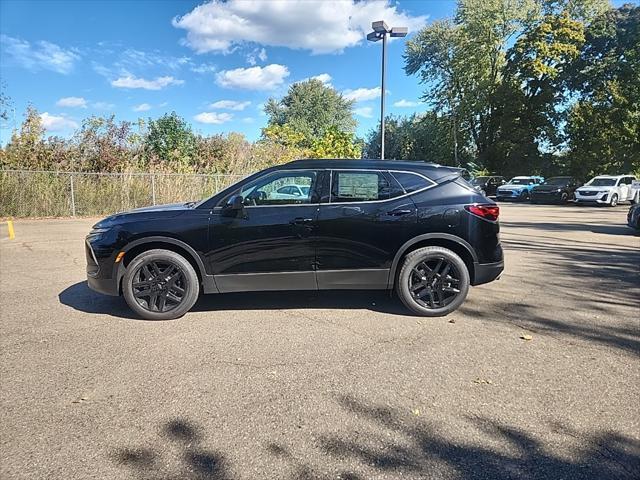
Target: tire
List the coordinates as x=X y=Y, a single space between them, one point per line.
x=614 y=200
x=564 y=197
x=160 y=285
x=525 y=196
x=411 y=286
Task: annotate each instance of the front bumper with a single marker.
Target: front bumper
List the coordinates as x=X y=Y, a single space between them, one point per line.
x=599 y=197
x=486 y=272
x=551 y=197
x=103 y=274
x=510 y=194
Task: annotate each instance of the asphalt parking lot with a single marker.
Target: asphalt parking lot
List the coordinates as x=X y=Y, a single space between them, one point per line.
x=330 y=385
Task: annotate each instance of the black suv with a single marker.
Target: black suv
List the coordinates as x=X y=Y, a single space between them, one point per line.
x=555 y=190
x=488 y=186
x=307 y=225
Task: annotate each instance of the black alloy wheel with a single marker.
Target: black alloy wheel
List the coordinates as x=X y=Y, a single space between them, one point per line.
x=160 y=285
x=433 y=281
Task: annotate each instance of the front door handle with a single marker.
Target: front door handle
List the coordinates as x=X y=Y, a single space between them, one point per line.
x=301 y=221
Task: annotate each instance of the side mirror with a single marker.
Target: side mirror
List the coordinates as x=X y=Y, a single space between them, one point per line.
x=236 y=202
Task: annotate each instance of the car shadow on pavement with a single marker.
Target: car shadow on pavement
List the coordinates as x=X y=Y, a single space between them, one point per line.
x=379 y=441
x=80 y=297
x=621 y=229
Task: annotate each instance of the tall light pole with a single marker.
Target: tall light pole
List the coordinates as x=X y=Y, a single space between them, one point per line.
x=380 y=32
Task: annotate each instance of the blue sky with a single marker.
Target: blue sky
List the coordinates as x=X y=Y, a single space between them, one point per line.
x=214 y=63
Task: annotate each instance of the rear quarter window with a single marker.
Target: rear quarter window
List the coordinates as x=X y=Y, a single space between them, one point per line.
x=411 y=182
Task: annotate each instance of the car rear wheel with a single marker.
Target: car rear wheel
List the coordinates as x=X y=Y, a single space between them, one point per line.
x=160 y=285
x=433 y=281
x=614 y=200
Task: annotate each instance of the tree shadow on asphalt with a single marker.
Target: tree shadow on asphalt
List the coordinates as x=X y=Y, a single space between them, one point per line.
x=189 y=460
x=621 y=229
x=603 y=285
x=80 y=297
x=394 y=443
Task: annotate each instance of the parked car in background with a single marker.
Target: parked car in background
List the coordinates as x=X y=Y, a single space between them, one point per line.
x=415 y=227
x=608 y=190
x=518 y=188
x=554 y=190
x=633 y=217
x=488 y=185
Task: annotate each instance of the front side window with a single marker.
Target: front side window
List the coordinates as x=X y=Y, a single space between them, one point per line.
x=280 y=188
x=362 y=186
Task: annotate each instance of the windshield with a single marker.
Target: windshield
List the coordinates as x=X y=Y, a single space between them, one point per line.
x=602 y=182
x=479 y=180
x=520 y=181
x=557 y=181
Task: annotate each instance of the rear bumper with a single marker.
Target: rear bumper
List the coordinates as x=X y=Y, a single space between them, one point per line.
x=486 y=272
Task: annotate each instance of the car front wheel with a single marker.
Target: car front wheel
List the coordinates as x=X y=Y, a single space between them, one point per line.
x=160 y=285
x=433 y=281
x=614 y=200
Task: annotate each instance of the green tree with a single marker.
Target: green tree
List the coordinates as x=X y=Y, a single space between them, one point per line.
x=336 y=144
x=170 y=139
x=604 y=125
x=530 y=113
x=311 y=108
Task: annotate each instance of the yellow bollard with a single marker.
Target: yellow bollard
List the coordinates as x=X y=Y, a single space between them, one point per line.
x=12 y=234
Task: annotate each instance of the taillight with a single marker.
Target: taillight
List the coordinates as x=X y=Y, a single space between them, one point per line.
x=488 y=212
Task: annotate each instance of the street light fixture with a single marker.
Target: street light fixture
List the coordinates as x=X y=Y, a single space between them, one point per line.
x=380 y=32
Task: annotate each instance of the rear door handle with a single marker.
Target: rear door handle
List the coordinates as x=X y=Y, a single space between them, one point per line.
x=398 y=213
x=351 y=210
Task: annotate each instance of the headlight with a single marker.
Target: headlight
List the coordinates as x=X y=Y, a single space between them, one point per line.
x=558 y=190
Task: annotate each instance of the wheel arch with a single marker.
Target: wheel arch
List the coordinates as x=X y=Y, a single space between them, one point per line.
x=454 y=243
x=135 y=248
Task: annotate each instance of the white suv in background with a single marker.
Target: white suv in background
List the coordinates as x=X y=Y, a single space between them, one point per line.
x=608 y=190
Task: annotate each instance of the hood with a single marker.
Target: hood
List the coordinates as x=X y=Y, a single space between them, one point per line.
x=590 y=188
x=549 y=188
x=169 y=210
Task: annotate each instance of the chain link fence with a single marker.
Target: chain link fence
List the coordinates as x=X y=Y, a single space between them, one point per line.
x=27 y=193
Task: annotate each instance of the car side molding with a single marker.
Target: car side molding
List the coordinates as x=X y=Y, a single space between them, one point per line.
x=420 y=238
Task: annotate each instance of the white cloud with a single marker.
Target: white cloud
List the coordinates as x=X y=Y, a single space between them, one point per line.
x=247 y=120
x=143 y=107
x=317 y=25
x=366 y=112
x=40 y=55
x=325 y=78
x=129 y=81
x=230 y=105
x=72 y=102
x=132 y=58
x=253 y=78
x=405 y=104
x=362 y=94
x=103 y=105
x=260 y=54
x=214 y=118
x=204 y=68
x=56 y=123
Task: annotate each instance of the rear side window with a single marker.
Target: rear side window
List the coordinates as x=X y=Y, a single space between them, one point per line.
x=410 y=182
x=362 y=186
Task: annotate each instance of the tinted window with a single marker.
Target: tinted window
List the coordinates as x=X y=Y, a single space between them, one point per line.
x=557 y=181
x=362 y=186
x=412 y=182
x=280 y=188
